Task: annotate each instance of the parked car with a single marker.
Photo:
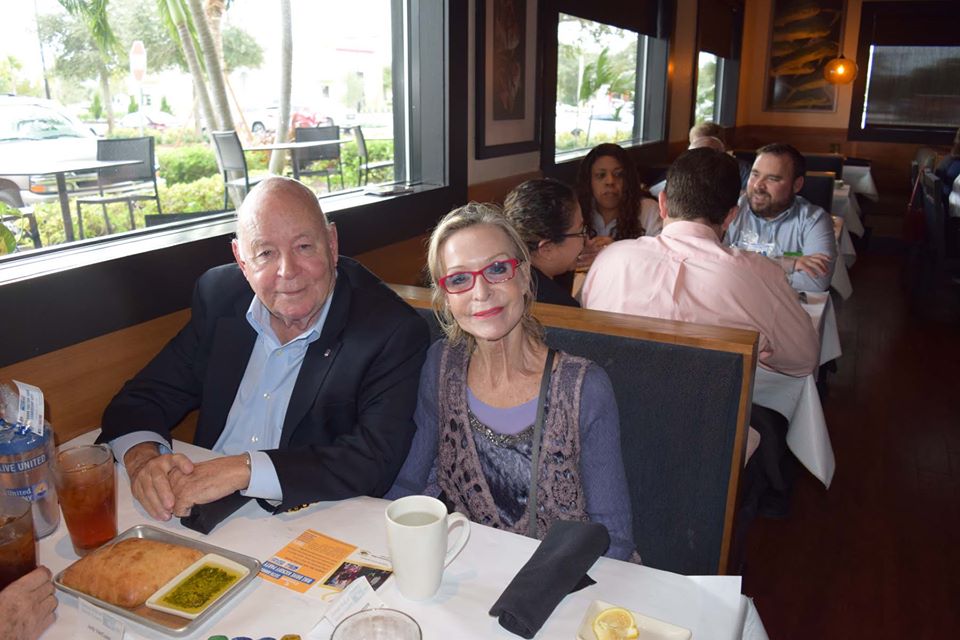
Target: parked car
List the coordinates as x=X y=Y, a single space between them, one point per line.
x=31 y=130
x=157 y=120
x=265 y=120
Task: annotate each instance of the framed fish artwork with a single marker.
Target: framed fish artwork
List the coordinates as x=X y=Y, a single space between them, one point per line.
x=804 y=36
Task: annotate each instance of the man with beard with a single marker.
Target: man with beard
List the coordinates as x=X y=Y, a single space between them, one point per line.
x=774 y=220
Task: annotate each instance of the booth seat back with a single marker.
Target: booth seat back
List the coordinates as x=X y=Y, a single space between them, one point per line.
x=683 y=393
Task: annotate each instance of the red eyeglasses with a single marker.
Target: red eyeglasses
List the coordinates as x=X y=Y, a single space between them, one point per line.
x=496 y=272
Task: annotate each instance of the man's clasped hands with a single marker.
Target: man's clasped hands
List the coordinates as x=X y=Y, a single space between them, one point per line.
x=170 y=484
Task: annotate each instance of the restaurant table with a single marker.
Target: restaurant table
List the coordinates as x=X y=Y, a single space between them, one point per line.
x=710 y=606
x=797 y=398
x=840 y=280
x=845 y=205
x=861 y=180
x=293 y=146
x=59 y=169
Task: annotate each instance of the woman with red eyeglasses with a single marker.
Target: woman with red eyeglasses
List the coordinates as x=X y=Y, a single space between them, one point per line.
x=505 y=425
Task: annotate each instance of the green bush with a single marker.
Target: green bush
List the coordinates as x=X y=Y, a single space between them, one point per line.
x=186 y=164
x=205 y=194
x=568 y=142
x=96 y=107
x=173 y=137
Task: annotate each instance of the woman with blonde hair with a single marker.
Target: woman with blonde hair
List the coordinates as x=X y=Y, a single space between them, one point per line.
x=506 y=426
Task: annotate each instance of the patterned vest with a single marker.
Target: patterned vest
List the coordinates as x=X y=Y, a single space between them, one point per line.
x=459 y=474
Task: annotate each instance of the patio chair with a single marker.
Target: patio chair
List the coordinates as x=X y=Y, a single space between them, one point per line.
x=364 y=165
x=318 y=161
x=230 y=158
x=128 y=183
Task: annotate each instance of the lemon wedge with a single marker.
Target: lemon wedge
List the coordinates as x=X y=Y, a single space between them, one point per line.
x=615 y=623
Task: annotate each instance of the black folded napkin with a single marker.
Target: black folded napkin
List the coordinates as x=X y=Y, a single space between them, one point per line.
x=856 y=162
x=204 y=517
x=556 y=568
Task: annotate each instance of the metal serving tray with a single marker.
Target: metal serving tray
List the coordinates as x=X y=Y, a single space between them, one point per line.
x=166 y=623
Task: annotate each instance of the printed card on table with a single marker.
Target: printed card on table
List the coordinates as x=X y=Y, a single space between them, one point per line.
x=319 y=565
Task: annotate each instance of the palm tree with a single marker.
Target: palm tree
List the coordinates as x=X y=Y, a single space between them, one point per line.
x=93 y=13
x=214 y=69
x=595 y=76
x=178 y=21
x=286 y=69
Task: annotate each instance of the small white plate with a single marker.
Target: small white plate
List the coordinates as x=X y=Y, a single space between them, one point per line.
x=650 y=628
x=154 y=601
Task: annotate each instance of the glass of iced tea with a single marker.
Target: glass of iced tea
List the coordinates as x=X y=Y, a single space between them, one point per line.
x=18 y=547
x=87 y=485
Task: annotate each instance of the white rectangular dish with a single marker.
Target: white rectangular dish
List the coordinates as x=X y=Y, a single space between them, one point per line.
x=208 y=580
x=649 y=628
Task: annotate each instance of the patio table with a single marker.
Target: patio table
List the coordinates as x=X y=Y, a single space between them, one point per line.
x=293 y=146
x=60 y=169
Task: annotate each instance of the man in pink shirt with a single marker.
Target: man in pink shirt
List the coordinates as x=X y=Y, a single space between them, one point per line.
x=687 y=274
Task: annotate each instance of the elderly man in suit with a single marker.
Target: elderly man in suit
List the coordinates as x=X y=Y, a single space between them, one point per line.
x=303 y=364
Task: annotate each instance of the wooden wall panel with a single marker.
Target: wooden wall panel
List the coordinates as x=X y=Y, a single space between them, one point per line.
x=78 y=381
x=401 y=262
x=497 y=190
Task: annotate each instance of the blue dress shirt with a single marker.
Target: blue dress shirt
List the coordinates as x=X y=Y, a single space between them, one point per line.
x=802 y=227
x=255 y=421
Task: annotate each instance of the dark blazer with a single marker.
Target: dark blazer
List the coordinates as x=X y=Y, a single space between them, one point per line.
x=349 y=423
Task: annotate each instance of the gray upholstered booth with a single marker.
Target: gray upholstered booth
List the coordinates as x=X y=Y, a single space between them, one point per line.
x=683 y=392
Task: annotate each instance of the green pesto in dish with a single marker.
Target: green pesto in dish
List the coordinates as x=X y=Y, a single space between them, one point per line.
x=200 y=588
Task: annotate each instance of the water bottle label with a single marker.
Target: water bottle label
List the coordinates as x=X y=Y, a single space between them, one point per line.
x=31 y=492
x=31 y=407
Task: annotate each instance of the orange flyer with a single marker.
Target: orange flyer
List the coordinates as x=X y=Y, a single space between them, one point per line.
x=315 y=561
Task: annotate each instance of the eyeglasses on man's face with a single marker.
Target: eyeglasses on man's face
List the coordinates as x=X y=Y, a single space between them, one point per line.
x=496 y=272
x=586 y=233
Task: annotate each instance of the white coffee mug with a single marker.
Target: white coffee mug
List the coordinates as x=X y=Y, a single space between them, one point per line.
x=417 y=531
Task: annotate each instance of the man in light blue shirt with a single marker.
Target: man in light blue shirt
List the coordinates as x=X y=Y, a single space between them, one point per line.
x=774 y=220
x=303 y=365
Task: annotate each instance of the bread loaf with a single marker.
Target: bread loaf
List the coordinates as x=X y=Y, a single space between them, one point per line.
x=130 y=571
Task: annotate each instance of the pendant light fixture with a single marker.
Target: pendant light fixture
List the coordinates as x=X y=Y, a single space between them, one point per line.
x=840 y=70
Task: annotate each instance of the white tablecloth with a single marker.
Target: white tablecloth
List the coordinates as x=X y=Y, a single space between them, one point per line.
x=861 y=180
x=711 y=606
x=840 y=281
x=797 y=398
x=845 y=205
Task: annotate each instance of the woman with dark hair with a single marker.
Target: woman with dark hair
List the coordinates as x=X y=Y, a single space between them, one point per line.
x=547 y=216
x=614 y=202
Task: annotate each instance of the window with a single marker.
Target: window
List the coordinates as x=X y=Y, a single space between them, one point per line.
x=912 y=87
x=110 y=283
x=716 y=97
x=705 y=107
x=347 y=72
x=609 y=83
x=909 y=59
x=719 y=29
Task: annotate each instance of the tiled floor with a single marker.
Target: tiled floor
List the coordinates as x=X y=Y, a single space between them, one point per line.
x=878 y=554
